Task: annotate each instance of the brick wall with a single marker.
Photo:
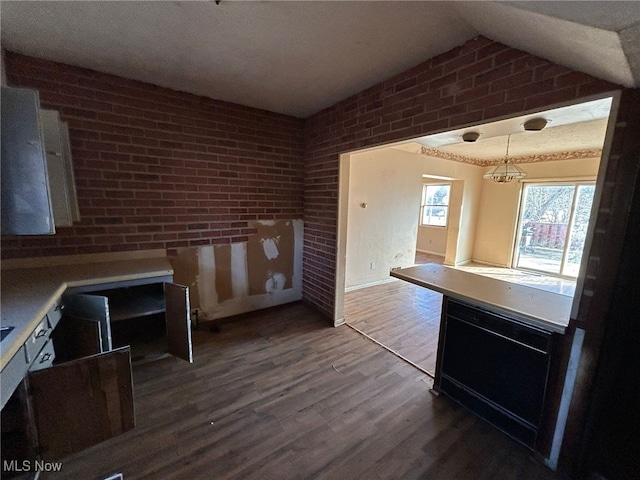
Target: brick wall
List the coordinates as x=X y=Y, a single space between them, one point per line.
x=157 y=168
x=477 y=82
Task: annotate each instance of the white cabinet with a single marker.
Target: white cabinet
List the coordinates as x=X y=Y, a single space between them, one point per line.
x=60 y=169
x=38 y=187
x=26 y=202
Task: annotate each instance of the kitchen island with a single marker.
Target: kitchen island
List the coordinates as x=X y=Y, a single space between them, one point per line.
x=498 y=348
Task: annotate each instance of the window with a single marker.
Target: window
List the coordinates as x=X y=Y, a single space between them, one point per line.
x=435 y=205
x=554 y=218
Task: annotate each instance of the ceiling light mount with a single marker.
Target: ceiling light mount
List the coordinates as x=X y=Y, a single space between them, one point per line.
x=470 y=137
x=535 y=124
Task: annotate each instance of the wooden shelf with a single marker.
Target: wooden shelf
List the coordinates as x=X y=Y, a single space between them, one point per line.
x=141 y=307
x=133 y=302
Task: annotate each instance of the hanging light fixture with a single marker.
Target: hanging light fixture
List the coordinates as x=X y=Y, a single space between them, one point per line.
x=506 y=171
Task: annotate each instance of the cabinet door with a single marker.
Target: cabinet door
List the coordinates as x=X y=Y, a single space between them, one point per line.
x=69 y=175
x=56 y=168
x=92 y=308
x=25 y=203
x=178 y=318
x=81 y=403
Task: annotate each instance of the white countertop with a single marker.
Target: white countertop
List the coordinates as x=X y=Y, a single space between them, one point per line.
x=27 y=294
x=536 y=307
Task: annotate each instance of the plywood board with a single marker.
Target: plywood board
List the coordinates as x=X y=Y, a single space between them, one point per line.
x=224 y=280
x=270 y=257
x=185 y=272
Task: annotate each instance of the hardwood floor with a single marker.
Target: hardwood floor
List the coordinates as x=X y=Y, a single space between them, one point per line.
x=403 y=317
x=282 y=395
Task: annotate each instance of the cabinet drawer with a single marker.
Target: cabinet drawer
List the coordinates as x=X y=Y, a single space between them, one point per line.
x=44 y=359
x=55 y=313
x=36 y=340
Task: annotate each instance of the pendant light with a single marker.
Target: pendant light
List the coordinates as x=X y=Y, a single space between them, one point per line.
x=506 y=171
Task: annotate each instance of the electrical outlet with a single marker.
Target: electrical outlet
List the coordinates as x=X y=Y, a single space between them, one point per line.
x=396 y=268
x=372 y=265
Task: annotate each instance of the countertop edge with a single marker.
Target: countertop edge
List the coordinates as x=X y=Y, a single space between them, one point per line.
x=524 y=317
x=21 y=335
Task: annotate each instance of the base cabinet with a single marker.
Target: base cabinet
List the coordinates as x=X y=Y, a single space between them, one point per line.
x=152 y=317
x=71 y=381
x=100 y=407
x=65 y=408
x=497 y=367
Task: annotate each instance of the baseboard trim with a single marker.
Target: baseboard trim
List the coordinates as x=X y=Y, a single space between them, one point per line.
x=439 y=254
x=371 y=284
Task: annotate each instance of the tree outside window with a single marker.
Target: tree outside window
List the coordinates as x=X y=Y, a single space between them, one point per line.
x=435 y=205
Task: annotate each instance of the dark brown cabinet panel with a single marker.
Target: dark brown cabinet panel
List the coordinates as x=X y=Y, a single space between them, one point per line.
x=178 y=321
x=497 y=367
x=81 y=403
x=152 y=316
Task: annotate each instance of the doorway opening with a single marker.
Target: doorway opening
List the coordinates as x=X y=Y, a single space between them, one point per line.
x=385 y=206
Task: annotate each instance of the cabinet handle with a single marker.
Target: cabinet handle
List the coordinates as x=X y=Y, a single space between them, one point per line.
x=41 y=333
x=59 y=307
x=45 y=357
x=55 y=154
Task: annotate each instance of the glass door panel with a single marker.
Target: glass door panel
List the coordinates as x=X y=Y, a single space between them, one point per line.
x=545 y=217
x=578 y=230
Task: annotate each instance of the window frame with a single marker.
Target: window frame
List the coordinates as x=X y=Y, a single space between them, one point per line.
x=424 y=204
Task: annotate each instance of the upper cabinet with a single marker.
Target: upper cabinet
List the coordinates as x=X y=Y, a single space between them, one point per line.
x=60 y=169
x=26 y=203
x=38 y=188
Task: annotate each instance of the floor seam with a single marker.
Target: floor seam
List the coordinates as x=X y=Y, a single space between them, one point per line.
x=390 y=350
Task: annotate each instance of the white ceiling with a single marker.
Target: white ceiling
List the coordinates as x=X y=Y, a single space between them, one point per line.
x=298 y=57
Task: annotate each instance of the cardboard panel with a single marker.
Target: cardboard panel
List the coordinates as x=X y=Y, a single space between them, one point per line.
x=270 y=256
x=224 y=281
x=185 y=272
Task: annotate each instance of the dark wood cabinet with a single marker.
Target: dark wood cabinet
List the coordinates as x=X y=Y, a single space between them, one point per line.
x=151 y=316
x=80 y=403
x=497 y=367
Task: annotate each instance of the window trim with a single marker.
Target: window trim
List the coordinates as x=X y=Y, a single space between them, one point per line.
x=423 y=205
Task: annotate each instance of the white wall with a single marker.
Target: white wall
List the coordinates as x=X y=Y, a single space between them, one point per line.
x=498 y=212
x=385 y=233
x=432 y=239
x=482 y=218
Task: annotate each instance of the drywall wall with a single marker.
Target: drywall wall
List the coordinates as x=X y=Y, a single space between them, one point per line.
x=498 y=212
x=382 y=234
x=389 y=181
x=229 y=279
x=432 y=239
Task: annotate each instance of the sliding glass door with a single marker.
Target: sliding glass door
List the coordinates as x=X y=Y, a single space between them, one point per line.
x=553 y=225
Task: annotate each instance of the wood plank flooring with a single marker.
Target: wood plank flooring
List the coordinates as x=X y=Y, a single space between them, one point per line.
x=282 y=395
x=402 y=316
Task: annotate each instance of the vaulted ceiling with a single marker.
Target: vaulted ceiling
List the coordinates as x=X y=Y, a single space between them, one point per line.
x=298 y=57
